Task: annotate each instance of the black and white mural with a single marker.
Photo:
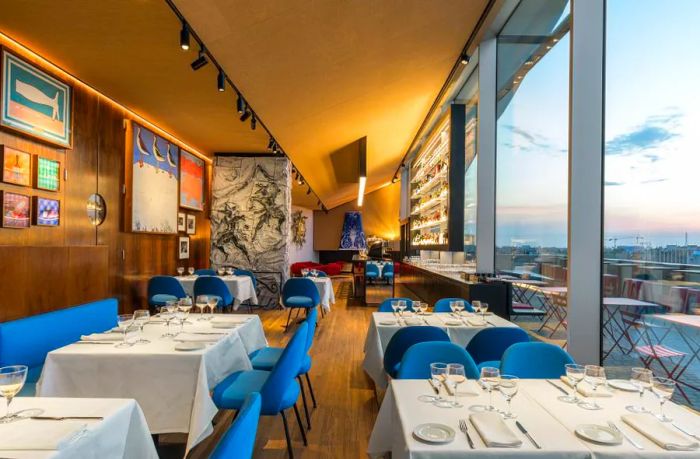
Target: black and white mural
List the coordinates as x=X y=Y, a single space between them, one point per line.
x=250 y=219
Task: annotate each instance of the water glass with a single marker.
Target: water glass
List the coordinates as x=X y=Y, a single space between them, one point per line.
x=12 y=380
x=490 y=378
x=663 y=388
x=141 y=317
x=595 y=376
x=124 y=322
x=167 y=313
x=402 y=307
x=395 y=307
x=575 y=374
x=641 y=379
x=459 y=307
x=183 y=311
x=453 y=306
x=455 y=377
x=484 y=309
x=190 y=271
x=438 y=373
x=212 y=303
x=508 y=387
x=201 y=303
x=180 y=270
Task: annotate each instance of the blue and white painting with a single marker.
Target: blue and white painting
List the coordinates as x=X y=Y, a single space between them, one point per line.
x=353 y=236
x=154 y=187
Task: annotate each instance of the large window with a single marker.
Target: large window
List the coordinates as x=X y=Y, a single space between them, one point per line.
x=652 y=213
x=470 y=96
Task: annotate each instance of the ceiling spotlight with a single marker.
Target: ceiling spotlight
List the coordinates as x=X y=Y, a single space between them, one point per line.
x=201 y=60
x=185 y=36
x=221 y=81
x=271 y=144
x=464 y=58
x=240 y=104
x=275 y=148
x=245 y=115
x=300 y=180
x=253 y=122
x=308 y=191
x=395 y=179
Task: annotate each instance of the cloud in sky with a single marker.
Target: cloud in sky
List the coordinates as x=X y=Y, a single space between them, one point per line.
x=527 y=141
x=655 y=130
x=611 y=183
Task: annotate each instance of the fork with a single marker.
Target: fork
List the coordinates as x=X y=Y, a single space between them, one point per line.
x=465 y=430
x=617 y=429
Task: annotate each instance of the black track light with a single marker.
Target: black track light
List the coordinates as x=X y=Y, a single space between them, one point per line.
x=464 y=59
x=245 y=115
x=308 y=191
x=395 y=179
x=318 y=202
x=185 y=36
x=253 y=122
x=201 y=60
x=221 y=81
x=240 y=104
x=300 y=180
x=271 y=144
x=275 y=148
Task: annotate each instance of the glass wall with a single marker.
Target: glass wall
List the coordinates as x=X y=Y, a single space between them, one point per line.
x=470 y=96
x=651 y=313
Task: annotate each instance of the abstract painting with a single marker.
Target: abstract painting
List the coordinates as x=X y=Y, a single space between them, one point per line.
x=298 y=229
x=183 y=248
x=47 y=174
x=154 y=185
x=34 y=102
x=16 y=166
x=353 y=236
x=191 y=181
x=46 y=212
x=15 y=210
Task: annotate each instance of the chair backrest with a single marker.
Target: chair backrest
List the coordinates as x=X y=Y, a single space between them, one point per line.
x=631 y=288
x=27 y=341
x=388 y=268
x=415 y=363
x=406 y=337
x=311 y=319
x=239 y=440
x=205 y=272
x=321 y=274
x=491 y=343
x=300 y=286
x=535 y=361
x=385 y=306
x=212 y=285
x=284 y=372
x=443 y=305
x=691 y=301
x=245 y=272
x=165 y=285
x=372 y=268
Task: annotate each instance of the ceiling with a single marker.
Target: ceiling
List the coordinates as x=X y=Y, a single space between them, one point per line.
x=319 y=73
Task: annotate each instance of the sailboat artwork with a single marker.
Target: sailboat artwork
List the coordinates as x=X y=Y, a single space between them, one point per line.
x=34 y=102
x=154 y=184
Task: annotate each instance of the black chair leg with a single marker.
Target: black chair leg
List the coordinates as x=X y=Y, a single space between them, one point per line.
x=311 y=389
x=289 y=316
x=303 y=398
x=286 y=434
x=301 y=427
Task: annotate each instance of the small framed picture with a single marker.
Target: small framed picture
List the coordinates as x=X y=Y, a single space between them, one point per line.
x=184 y=248
x=180 y=221
x=16 y=166
x=46 y=212
x=191 y=224
x=16 y=210
x=47 y=174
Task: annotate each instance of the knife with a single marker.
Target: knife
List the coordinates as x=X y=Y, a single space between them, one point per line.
x=557 y=387
x=529 y=437
x=685 y=431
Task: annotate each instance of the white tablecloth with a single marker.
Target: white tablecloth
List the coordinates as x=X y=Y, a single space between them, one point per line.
x=378 y=337
x=325 y=290
x=172 y=387
x=241 y=287
x=123 y=433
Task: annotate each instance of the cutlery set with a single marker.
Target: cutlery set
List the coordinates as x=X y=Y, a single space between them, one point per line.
x=464 y=428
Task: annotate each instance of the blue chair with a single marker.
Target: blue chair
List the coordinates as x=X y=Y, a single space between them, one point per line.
x=278 y=388
x=321 y=274
x=162 y=289
x=385 y=306
x=488 y=345
x=388 y=272
x=443 y=305
x=415 y=363
x=205 y=272
x=239 y=440
x=535 y=361
x=267 y=357
x=27 y=341
x=371 y=272
x=245 y=272
x=213 y=286
x=405 y=338
x=299 y=293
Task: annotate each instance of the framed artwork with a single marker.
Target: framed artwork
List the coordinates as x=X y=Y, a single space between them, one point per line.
x=45 y=211
x=154 y=183
x=16 y=166
x=47 y=174
x=181 y=225
x=184 y=248
x=35 y=103
x=96 y=209
x=191 y=224
x=15 y=210
x=192 y=171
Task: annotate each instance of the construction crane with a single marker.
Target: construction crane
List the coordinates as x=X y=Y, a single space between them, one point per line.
x=637 y=239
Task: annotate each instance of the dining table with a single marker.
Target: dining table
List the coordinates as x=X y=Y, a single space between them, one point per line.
x=383 y=325
x=325 y=291
x=58 y=428
x=615 y=328
x=172 y=386
x=547 y=422
x=241 y=288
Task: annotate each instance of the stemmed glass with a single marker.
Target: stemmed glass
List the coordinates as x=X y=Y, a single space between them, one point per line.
x=575 y=374
x=508 y=387
x=455 y=377
x=167 y=313
x=183 y=310
x=490 y=378
x=438 y=373
x=663 y=388
x=476 y=305
x=229 y=271
x=12 y=380
x=141 y=317
x=641 y=379
x=212 y=302
x=180 y=271
x=221 y=272
x=190 y=271
x=305 y=272
x=417 y=307
x=453 y=307
x=595 y=376
x=402 y=307
x=395 y=307
x=484 y=309
x=124 y=322
x=201 y=303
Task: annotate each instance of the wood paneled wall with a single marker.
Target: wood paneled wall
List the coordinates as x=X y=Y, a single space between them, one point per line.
x=43 y=268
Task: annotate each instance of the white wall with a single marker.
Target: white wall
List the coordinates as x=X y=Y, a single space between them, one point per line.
x=306 y=252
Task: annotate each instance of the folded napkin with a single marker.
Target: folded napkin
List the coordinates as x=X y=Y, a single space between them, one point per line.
x=230 y=320
x=413 y=321
x=657 y=432
x=191 y=337
x=586 y=389
x=109 y=337
x=39 y=435
x=493 y=431
x=476 y=322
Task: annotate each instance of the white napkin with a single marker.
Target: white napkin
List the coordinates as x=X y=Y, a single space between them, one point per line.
x=657 y=432
x=586 y=389
x=190 y=337
x=109 y=337
x=413 y=321
x=476 y=322
x=493 y=431
x=229 y=320
x=39 y=435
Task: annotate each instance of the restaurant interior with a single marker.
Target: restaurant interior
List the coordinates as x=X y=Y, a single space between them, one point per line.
x=342 y=229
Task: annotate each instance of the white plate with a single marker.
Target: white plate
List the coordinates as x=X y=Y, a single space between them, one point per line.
x=387 y=322
x=598 y=434
x=454 y=323
x=622 y=384
x=189 y=346
x=434 y=433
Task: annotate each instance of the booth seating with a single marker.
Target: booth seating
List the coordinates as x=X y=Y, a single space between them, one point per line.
x=332 y=269
x=27 y=341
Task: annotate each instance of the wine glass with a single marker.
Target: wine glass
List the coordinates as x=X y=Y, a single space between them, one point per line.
x=12 y=380
x=167 y=313
x=641 y=379
x=141 y=317
x=305 y=272
x=180 y=271
x=490 y=378
x=402 y=307
x=508 y=387
x=417 y=307
x=575 y=374
x=190 y=271
x=455 y=377
x=453 y=307
x=663 y=388
x=476 y=305
x=212 y=303
x=124 y=322
x=201 y=303
x=595 y=376
x=395 y=307
x=438 y=373
x=484 y=309
x=221 y=272
x=183 y=311
x=229 y=271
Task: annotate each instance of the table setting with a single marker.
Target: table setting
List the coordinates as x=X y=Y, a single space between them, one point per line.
x=241 y=287
x=324 y=286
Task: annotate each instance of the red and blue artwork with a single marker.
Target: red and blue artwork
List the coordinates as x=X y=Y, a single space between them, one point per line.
x=191 y=181
x=15 y=210
x=47 y=211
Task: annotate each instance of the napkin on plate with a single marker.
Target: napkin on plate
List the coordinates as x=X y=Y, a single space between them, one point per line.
x=586 y=389
x=109 y=337
x=39 y=435
x=191 y=337
x=657 y=432
x=494 y=431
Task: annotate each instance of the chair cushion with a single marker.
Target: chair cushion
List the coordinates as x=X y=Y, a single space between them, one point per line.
x=388 y=275
x=161 y=299
x=299 y=302
x=232 y=391
x=489 y=363
x=305 y=365
x=371 y=274
x=267 y=357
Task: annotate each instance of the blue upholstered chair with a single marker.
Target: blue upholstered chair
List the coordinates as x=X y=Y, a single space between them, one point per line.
x=299 y=293
x=388 y=272
x=371 y=271
x=488 y=345
x=245 y=272
x=162 y=289
x=267 y=357
x=443 y=305
x=213 y=286
x=403 y=339
x=239 y=440
x=278 y=388
x=205 y=272
x=535 y=361
x=321 y=274
x=385 y=306
x=415 y=363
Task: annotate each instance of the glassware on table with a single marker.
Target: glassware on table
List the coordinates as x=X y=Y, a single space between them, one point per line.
x=484 y=309
x=183 y=311
x=190 y=271
x=641 y=379
x=212 y=303
x=221 y=272
x=12 y=380
x=124 y=322
x=459 y=307
x=201 y=303
x=438 y=373
x=417 y=307
x=180 y=271
x=476 y=305
x=490 y=378
x=595 y=376
x=395 y=307
x=508 y=387
x=141 y=317
x=453 y=307
x=402 y=307
x=229 y=271
x=167 y=313
x=455 y=376
x=663 y=388
x=305 y=272
x=575 y=374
